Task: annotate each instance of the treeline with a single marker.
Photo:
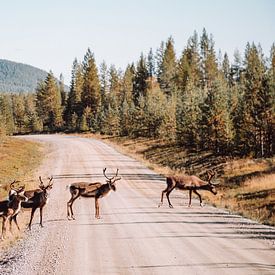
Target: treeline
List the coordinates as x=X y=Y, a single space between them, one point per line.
x=200 y=100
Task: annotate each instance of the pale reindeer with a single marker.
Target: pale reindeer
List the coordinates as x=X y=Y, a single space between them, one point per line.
x=11 y=207
x=191 y=183
x=91 y=190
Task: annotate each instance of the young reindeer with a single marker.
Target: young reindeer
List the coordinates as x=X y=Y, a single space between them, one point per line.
x=191 y=183
x=91 y=190
x=11 y=207
x=38 y=198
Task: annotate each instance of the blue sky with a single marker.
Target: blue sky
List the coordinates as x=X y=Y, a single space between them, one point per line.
x=50 y=34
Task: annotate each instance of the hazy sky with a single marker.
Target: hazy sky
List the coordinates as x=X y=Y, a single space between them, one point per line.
x=49 y=34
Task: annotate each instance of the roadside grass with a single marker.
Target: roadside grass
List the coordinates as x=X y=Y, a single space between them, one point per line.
x=246 y=186
x=18 y=160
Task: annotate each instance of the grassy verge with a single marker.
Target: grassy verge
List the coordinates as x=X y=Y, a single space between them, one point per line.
x=18 y=160
x=247 y=186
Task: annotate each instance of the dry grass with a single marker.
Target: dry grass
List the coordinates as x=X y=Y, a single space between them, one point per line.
x=18 y=160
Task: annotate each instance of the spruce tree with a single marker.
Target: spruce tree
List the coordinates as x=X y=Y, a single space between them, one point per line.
x=167 y=76
x=140 y=80
x=49 y=104
x=209 y=66
x=91 y=96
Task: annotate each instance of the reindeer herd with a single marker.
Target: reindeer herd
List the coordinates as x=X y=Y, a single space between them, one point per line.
x=19 y=198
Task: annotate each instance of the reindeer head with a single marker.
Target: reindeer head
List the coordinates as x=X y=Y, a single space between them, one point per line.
x=111 y=181
x=15 y=190
x=17 y=193
x=211 y=185
x=47 y=187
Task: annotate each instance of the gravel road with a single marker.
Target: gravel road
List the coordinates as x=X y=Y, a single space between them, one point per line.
x=133 y=236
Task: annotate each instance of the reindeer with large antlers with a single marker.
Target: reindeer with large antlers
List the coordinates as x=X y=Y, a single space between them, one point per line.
x=38 y=198
x=91 y=190
x=191 y=183
x=11 y=207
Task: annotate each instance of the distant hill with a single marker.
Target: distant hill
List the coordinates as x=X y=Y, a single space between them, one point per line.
x=18 y=77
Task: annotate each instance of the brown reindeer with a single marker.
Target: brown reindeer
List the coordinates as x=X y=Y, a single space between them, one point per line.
x=11 y=207
x=191 y=183
x=38 y=198
x=91 y=190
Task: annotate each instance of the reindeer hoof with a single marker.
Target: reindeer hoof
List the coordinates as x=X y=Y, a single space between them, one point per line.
x=171 y=206
x=189 y=205
x=159 y=205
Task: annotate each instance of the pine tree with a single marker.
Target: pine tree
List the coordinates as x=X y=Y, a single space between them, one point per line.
x=226 y=68
x=33 y=123
x=167 y=76
x=6 y=115
x=188 y=67
x=91 y=96
x=251 y=108
x=209 y=66
x=19 y=113
x=49 y=104
x=216 y=124
x=140 y=80
x=188 y=115
x=151 y=63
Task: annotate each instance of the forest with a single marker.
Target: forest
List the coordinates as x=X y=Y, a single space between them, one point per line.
x=18 y=77
x=199 y=100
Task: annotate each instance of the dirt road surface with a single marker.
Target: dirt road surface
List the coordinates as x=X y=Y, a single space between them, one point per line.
x=133 y=236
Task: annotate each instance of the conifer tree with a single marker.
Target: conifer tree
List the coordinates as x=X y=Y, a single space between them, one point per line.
x=188 y=67
x=49 y=104
x=19 y=114
x=140 y=80
x=167 y=76
x=6 y=115
x=188 y=115
x=209 y=66
x=216 y=124
x=151 y=63
x=33 y=123
x=251 y=109
x=91 y=96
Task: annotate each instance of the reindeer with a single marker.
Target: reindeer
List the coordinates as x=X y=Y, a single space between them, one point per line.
x=95 y=190
x=38 y=198
x=11 y=207
x=191 y=183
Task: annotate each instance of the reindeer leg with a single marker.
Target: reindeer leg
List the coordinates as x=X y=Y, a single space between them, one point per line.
x=41 y=215
x=3 y=228
x=70 y=213
x=190 y=197
x=167 y=195
x=15 y=220
x=97 y=208
x=11 y=224
x=32 y=213
x=196 y=192
x=161 y=199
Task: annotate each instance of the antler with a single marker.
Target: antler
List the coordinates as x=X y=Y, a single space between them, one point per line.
x=104 y=170
x=211 y=174
x=41 y=182
x=11 y=184
x=50 y=180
